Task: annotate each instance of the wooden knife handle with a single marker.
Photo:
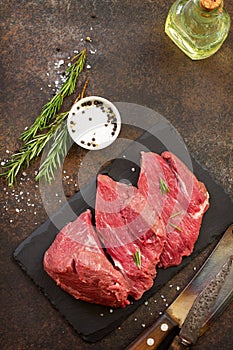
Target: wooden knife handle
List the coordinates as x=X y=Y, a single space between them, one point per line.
x=154 y=335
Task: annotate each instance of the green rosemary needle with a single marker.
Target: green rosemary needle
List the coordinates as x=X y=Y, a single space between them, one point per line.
x=163 y=186
x=175 y=226
x=51 y=108
x=137 y=258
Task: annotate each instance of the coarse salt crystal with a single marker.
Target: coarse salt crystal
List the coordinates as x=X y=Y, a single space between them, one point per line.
x=3 y=163
x=177 y=288
x=146 y=303
x=17 y=210
x=143 y=325
x=88 y=66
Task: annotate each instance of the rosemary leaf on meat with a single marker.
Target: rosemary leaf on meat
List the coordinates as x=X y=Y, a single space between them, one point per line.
x=50 y=109
x=137 y=258
x=175 y=226
x=175 y=214
x=163 y=186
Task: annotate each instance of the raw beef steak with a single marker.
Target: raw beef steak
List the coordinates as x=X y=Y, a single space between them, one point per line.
x=77 y=263
x=131 y=231
x=178 y=197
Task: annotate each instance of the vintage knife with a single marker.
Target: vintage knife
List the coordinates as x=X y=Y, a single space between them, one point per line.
x=175 y=315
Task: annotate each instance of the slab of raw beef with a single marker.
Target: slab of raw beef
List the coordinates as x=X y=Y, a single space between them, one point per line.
x=77 y=263
x=178 y=197
x=131 y=231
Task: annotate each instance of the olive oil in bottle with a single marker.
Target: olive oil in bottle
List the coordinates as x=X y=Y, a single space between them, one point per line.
x=198 y=27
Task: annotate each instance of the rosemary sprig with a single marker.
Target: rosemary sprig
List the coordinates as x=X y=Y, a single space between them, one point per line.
x=57 y=152
x=137 y=258
x=51 y=108
x=31 y=150
x=61 y=142
x=163 y=186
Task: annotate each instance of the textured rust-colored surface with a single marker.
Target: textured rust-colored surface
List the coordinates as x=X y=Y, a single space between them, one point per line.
x=134 y=62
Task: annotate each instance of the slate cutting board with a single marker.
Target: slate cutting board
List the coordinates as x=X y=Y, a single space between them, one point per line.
x=92 y=322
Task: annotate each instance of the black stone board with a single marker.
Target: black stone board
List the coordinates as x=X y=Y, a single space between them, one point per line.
x=93 y=322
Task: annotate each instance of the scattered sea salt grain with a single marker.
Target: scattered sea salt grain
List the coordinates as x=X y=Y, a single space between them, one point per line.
x=133 y=169
x=135 y=319
x=111 y=311
x=7 y=151
x=88 y=66
x=143 y=325
x=146 y=303
x=170 y=285
x=177 y=288
x=11 y=220
x=160 y=312
x=101 y=315
x=24 y=174
x=3 y=163
x=17 y=210
x=194 y=268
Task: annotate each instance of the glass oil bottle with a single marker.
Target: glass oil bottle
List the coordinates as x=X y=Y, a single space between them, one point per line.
x=198 y=27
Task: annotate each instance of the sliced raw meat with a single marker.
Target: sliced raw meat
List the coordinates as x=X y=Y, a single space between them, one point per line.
x=131 y=231
x=181 y=200
x=77 y=263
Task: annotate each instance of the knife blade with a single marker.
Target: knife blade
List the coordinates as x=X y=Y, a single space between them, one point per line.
x=201 y=309
x=177 y=312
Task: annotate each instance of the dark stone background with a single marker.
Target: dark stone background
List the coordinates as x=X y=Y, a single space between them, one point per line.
x=134 y=62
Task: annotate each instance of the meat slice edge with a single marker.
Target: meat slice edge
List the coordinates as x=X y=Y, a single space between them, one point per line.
x=181 y=200
x=131 y=231
x=77 y=263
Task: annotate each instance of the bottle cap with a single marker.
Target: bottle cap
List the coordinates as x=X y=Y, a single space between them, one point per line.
x=210 y=5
